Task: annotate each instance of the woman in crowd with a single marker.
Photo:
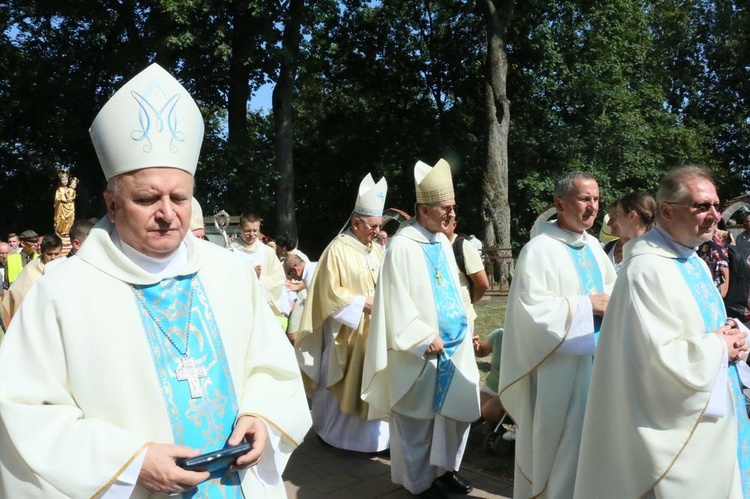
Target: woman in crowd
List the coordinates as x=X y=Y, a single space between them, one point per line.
x=633 y=215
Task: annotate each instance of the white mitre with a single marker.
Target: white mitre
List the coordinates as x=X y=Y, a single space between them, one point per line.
x=433 y=184
x=151 y=121
x=196 y=217
x=371 y=197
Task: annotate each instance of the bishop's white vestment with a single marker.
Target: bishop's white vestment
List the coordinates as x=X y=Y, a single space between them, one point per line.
x=400 y=380
x=660 y=420
x=548 y=343
x=87 y=398
x=331 y=344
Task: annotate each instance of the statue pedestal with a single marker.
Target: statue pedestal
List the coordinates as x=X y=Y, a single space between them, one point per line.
x=67 y=246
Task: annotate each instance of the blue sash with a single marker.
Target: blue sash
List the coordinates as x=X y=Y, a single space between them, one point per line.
x=590 y=277
x=452 y=321
x=714 y=316
x=206 y=422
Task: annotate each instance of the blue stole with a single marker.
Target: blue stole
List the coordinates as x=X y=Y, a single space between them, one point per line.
x=714 y=316
x=206 y=422
x=452 y=321
x=590 y=277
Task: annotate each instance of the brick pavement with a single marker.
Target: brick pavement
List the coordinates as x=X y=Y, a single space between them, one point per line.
x=316 y=471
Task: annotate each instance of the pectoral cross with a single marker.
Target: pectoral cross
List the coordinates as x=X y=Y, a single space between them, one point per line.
x=192 y=374
x=439 y=277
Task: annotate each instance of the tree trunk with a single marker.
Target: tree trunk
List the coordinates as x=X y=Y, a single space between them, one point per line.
x=495 y=207
x=238 y=141
x=283 y=115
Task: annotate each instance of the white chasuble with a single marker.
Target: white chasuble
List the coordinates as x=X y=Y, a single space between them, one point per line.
x=655 y=370
x=87 y=400
x=543 y=379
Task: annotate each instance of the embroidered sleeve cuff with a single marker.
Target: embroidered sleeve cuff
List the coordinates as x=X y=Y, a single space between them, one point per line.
x=351 y=313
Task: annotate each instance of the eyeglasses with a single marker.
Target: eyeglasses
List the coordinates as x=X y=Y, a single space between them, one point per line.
x=370 y=227
x=447 y=209
x=701 y=207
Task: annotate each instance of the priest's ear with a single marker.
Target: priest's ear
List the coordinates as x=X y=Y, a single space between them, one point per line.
x=558 y=203
x=665 y=210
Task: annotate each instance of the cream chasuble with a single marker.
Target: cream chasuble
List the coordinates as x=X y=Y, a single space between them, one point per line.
x=87 y=400
x=543 y=389
x=331 y=344
x=646 y=432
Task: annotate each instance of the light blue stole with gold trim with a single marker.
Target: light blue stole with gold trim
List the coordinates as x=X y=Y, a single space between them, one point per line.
x=714 y=316
x=590 y=277
x=452 y=321
x=204 y=422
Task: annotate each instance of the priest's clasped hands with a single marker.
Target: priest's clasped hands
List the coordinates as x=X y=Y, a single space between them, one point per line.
x=735 y=339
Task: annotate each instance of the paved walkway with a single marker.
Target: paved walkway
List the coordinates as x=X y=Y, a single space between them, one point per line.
x=316 y=470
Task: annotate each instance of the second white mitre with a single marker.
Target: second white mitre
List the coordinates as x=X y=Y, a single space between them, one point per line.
x=151 y=121
x=371 y=197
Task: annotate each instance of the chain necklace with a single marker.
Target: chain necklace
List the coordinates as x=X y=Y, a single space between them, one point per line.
x=167 y=335
x=438 y=275
x=190 y=370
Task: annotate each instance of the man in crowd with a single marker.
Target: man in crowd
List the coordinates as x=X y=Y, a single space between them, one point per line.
x=743 y=238
x=15 y=242
x=558 y=296
x=286 y=245
x=419 y=364
x=136 y=353
x=299 y=274
x=262 y=258
x=51 y=250
x=383 y=239
x=5 y=250
x=78 y=234
x=17 y=261
x=471 y=273
x=666 y=416
x=335 y=324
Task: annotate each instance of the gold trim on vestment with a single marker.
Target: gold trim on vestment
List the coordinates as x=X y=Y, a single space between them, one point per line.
x=569 y=322
x=125 y=466
x=690 y=435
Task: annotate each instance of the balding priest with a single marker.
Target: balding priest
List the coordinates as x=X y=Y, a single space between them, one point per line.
x=138 y=351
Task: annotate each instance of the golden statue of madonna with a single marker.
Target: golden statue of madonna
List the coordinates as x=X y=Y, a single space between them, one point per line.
x=65 y=208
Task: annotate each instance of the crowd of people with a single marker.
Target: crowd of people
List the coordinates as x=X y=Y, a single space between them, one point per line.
x=151 y=345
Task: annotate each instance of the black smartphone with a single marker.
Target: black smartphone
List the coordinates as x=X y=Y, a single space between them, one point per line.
x=216 y=460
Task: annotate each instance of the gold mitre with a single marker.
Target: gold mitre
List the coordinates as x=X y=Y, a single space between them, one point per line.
x=371 y=197
x=196 y=217
x=151 y=121
x=433 y=184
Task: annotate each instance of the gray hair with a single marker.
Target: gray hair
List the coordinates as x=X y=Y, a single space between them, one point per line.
x=565 y=185
x=672 y=185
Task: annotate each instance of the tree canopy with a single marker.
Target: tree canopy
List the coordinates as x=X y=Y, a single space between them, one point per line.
x=623 y=88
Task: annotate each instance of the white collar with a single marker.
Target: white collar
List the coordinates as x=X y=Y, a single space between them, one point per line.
x=169 y=266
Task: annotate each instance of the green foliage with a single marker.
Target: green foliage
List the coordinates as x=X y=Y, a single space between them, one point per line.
x=623 y=88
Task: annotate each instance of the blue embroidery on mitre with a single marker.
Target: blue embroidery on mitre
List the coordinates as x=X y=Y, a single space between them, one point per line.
x=157 y=111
